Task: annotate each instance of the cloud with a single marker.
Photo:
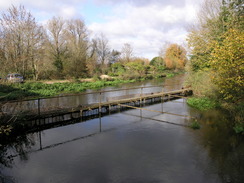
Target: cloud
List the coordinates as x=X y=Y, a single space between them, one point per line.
x=45 y=9
x=148 y=26
x=140 y=3
x=145 y=24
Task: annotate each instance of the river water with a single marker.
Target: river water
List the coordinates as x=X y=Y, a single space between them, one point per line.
x=129 y=147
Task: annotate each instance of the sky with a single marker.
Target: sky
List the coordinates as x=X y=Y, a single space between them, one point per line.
x=147 y=25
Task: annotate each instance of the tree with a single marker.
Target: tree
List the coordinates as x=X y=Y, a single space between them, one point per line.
x=157 y=64
x=217 y=48
x=175 y=57
x=162 y=50
x=91 y=63
x=228 y=65
x=22 y=40
x=215 y=18
x=36 y=40
x=114 y=57
x=157 y=61
x=76 y=37
x=101 y=47
x=127 y=53
x=117 y=69
x=138 y=66
x=55 y=28
x=209 y=27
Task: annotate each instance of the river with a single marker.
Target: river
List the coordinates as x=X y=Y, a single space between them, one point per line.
x=129 y=147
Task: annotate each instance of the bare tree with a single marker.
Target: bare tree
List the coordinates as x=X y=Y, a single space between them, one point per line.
x=21 y=40
x=127 y=53
x=76 y=36
x=102 y=49
x=55 y=28
x=92 y=58
x=114 y=56
x=163 y=49
x=36 y=39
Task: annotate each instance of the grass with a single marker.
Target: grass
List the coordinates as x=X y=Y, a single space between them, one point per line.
x=195 y=125
x=169 y=75
x=38 y=89
x=203 y=103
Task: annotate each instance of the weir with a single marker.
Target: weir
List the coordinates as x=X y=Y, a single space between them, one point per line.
x=105 y=108
x=39 y=117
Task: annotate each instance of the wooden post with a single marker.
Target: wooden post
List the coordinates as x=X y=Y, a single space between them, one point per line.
x=100 y=99
x=141 y=97
x=40 y=140
x=39 y=110
x=162 y=100
x=100 y=123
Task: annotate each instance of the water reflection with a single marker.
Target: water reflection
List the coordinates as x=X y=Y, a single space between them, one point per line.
x=20 y=146
x=224 y=147
x=125 y=148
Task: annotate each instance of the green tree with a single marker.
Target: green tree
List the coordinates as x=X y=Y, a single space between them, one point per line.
x=157 y=61
x=157 y=64
x=137 y=67
x=117 y=69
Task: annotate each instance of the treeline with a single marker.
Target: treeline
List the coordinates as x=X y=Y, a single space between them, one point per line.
x=217 y=51
x=64 y=49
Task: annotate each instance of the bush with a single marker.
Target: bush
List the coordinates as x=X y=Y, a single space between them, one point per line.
x=201 y=83
x=194 y=125
x=202 y=104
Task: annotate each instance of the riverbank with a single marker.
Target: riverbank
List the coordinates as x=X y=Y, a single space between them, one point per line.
x=17 y=91
x=235 y=112
x=33 y=89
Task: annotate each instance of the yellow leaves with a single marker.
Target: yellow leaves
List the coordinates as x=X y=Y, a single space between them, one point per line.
x=227 y=61
x=175 y=57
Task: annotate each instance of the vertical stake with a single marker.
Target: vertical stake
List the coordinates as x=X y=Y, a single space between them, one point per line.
x=39 y=110
x=40 y=139
x=100 y=99
x=100 y=123
x=141 y=103
x=162 y=103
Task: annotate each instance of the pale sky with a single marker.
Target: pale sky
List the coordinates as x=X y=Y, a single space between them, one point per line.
x=145 y=24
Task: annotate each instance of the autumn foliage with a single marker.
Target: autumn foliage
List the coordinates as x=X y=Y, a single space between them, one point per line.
x=217 y=49
x=175 y=57
x=228 y=65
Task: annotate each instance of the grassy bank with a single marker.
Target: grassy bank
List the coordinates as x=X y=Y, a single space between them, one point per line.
x=39 y=89
x=202 y=103
x=233 y=112
x=31 y=89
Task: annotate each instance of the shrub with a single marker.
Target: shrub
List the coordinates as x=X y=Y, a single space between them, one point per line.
x=202 y=104
x=195 y=125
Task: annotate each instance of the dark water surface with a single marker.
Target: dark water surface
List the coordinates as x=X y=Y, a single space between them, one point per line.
x=126 y=148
